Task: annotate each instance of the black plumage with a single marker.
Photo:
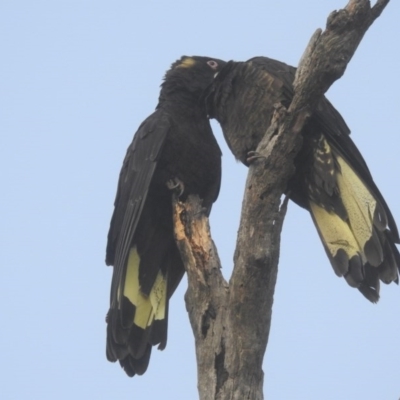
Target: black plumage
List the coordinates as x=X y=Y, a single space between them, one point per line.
x=174 y=144
x=332 y=180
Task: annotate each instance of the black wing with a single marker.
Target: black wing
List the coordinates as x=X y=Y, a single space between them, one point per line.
x=134 y=181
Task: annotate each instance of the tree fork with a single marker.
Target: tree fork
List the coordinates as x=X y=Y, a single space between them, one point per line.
x=231 y=322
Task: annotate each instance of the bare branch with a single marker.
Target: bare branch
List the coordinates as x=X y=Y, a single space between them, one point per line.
x=207 y=294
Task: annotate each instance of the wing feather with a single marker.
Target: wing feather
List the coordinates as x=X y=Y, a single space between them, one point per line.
x=134 y=182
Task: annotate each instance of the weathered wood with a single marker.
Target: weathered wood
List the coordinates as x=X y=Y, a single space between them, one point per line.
x=207 y=294
x=231 y=322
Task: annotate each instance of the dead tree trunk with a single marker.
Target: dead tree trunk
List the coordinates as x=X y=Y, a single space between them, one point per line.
x=231 y=321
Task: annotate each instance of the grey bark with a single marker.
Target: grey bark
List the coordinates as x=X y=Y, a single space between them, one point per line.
x=231 y=321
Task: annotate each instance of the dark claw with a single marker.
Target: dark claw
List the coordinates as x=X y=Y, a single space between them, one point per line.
x=252 y=156
x=176 y=185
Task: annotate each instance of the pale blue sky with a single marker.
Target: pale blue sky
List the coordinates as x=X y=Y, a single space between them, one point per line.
x=77 y=78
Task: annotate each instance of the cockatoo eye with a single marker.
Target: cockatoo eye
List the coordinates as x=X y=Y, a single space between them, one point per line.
x=213 y=64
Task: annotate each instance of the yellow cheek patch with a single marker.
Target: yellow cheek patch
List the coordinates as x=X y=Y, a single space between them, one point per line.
x=187 y=63
x=149 y=307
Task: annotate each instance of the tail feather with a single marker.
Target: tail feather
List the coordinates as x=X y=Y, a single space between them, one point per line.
x=380 y=218
x=360 y=205
x=137 y=321
x=360 y=247
x=133 y=366
x=117 y=337
x=339 y=242
x=139 y=309
x=373 y=249
x=159 y=332
x=370 y=286
x=388 y=271
x=356 y=272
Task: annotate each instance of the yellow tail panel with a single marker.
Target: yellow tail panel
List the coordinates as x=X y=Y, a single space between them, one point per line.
x=335 y=233
x=359 y=203
x=149 y=307
x=356 y=235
